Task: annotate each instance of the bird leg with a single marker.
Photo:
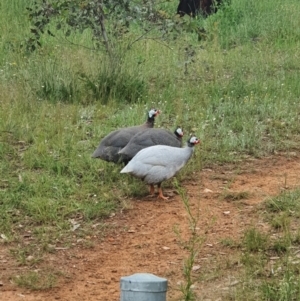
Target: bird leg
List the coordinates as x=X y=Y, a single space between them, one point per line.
x=152 y=190
x=160 y=194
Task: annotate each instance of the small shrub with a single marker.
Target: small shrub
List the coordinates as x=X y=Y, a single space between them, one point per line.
x=255 y=241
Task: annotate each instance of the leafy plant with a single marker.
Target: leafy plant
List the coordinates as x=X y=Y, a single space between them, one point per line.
x=107 y=20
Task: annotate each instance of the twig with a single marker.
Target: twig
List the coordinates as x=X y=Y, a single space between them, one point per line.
x=144 y=38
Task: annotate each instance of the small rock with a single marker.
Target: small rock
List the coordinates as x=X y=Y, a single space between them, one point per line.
x=206 y=190
x=29 y=258
x=166 y=248
x=196 y=268
x=75 y=227
x=107 y=282
x=226 y=212
x=3 y=236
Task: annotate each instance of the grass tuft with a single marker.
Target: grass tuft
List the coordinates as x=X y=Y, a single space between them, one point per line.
x=36 y=280
x=255 y=241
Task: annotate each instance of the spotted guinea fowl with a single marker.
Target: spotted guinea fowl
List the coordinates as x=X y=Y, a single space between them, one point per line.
x=149 y=138
x=111 y=144
x=158 y=163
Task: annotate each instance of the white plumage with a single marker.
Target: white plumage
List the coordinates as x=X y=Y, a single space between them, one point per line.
x=158 y=163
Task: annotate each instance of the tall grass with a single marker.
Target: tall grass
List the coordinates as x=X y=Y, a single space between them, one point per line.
x=271 y=22
x=237 y=89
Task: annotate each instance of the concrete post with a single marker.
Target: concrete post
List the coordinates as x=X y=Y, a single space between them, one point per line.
x=143 y=287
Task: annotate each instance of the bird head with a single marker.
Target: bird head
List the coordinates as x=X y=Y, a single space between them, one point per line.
x=179 y=132
x=153 y=113
x=193 y=141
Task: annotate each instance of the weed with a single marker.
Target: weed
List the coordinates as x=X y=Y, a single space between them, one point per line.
x=235 y=196
x=281 y=246
x=230 y=243
x=287 y=202
x=281 y=222
x=255 y=241
x=114 y=85
x=287 y=288
x=36 y=280
x=193 y=245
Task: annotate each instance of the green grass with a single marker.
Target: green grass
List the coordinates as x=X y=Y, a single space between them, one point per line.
x=269 y=267
x=37 y=280
x=287 y=202
x=237 y=89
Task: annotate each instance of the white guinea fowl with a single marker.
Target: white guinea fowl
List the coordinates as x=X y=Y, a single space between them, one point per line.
x=158 y=163
x=149 y=138
x=111 y=144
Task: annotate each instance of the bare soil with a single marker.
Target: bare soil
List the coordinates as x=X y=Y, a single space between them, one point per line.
x=142 y=237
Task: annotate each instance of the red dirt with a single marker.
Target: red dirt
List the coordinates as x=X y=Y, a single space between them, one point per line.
x=142 y=237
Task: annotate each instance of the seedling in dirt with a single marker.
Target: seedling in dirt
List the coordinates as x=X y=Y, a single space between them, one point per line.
x=192 y=245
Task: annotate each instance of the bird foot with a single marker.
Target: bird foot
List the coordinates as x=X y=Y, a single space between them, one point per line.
x=160 y=196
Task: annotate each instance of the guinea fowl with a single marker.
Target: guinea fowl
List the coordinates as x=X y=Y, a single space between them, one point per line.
x=111 y=144
x=158 y=163
x=149 y=138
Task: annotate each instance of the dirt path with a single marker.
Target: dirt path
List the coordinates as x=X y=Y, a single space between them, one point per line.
x=142 y=238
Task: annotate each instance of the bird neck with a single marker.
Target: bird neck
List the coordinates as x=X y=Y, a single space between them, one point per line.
x=150 y=122
x=177 y=135
x=190 y=145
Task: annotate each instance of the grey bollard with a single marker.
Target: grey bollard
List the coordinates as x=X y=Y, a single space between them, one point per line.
x=143 y=287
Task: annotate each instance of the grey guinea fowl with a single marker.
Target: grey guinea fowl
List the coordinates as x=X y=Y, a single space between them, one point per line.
x=149 y=138
x=158 y=163
x=111 y=144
